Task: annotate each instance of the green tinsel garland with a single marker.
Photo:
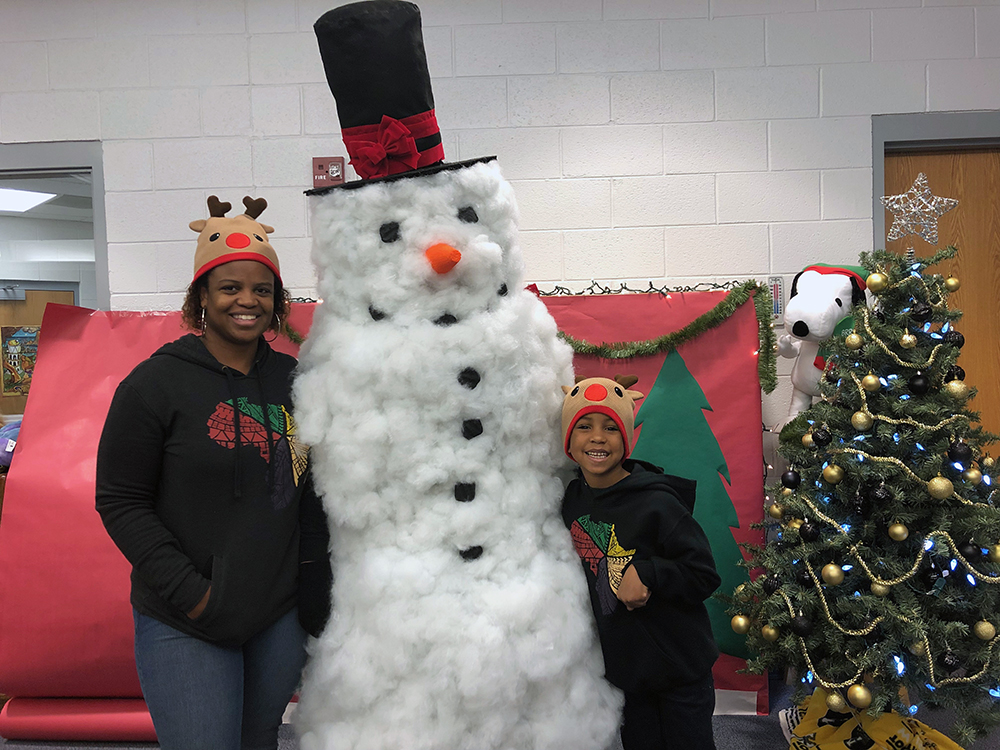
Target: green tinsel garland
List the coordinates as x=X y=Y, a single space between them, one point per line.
x=761 y=295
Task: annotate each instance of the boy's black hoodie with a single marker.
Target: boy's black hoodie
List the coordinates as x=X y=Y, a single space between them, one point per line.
x=645 y=521
x=196 y=492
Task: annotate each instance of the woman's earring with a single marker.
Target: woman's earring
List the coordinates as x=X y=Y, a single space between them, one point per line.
x=277 y=330
x=203 y=321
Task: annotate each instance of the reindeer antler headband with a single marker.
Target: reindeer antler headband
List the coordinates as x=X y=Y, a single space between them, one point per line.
x=222 y=240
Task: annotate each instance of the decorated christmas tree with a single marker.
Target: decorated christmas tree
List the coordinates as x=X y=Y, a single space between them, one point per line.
x=882 y=580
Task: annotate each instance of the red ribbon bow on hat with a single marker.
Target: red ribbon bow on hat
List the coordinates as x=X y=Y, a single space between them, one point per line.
x=395 y=144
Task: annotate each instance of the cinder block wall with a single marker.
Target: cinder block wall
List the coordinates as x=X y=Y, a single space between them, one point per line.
x=676 y=141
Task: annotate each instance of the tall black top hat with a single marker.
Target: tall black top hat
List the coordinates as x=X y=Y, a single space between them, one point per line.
x=373 y=54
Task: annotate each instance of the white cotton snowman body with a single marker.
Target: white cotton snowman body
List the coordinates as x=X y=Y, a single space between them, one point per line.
x=429 y=389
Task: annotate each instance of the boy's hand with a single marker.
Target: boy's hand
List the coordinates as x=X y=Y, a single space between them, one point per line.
x=631 y=591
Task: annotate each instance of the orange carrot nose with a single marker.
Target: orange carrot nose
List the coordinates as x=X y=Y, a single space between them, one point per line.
x=443 y=257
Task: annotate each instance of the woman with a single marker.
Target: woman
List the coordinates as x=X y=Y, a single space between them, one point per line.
x=201 y=484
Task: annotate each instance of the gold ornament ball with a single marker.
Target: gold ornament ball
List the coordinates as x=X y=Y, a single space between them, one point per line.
x=956 y=390
x=879 y=589
x=994 y=553
x=870 y=383
x=833 y=574
x=859 y=695
x=835 y=702
x=907 y=340
x=972 y=476
x=740 y=624
x=854 y=341
x=808 y=442
x=742 y=593
x=917 y=648
x=833 y=474
x=770 y=633
x=861 y=421
x=787 y=492
x=985 y=631
x=899 y=532
x=952 y=284
x=877 y=282
x=775 y=511
x=987 y=462
x=795 y=523
x=940 y=488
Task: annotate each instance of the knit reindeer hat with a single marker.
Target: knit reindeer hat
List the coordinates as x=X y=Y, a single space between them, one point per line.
x=222 y=239
x=604 y=396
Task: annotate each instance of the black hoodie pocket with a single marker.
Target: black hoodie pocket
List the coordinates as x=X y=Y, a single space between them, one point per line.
x=214 y=598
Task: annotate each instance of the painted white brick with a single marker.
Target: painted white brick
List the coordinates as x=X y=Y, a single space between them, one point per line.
x=794 y=246
x=132 y=267
x=297 y=270
x=605 y=47
x=767 y=93
x=768 y=196
x=471 y=102
x=923 y=34
x=225 y=110
x=285 y=58
x=613 y=253
x=718 y=250
x=557 y=204
x=542 y=253
x=534 y=11
x=193 y=61
x=99 y=63
x=931 y=3
x=467 y=12
x=204 y=162
x=128 y=165
x=135 y=18
x=662 y=97
x=286 y=210
x=803 y=38
x=287 y=162
x=963 y=84
x=149 y=113
x=147 y=302
x=505 y=49
x=30 y=20
x=523 y=153
x=873 y=88
x=615 y=10
x=716 y=43
x=715 y=147
x=559 y=100
x=172 y=263
x=988 y=32
x=153 y=216
x=268 y=17
x=309 y=11
x=865 y=4
x=612 y=150
x=670 y=200
x=758 y=7
x=319 y=110
x=438 y=49
x=24 y=66
x=826 y=143
x=50 y=116
x=847 y=194
x=276 y=110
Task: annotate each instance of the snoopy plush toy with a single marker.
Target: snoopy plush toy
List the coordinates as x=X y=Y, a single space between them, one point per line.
x=818 y=307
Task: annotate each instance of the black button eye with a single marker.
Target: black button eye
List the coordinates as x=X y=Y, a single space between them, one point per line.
x=214 y=237
x=574 y=391
x=259 y=238
x=502 y=291
x=618 y=392
x=389 y=232
x=468 y=215
x=839 y=303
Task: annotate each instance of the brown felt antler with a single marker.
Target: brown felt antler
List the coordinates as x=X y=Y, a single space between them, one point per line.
x=217 y=207
x=255 y=206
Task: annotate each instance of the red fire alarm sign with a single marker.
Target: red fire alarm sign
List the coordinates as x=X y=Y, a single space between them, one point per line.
x=327 y=171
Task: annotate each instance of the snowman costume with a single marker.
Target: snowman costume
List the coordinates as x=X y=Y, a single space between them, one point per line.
x=429 y=389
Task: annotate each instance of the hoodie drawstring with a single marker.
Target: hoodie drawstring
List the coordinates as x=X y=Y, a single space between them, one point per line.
x=237 y=484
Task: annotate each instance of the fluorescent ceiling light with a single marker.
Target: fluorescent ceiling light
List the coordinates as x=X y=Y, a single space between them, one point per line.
x=20 y=201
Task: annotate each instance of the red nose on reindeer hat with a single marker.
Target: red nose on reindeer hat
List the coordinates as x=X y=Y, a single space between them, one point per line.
x=603 y=396
x=222 y=239
x=373 y=55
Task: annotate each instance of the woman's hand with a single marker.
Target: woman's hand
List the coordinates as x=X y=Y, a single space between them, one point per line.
x=195 y=613
x=631 y=591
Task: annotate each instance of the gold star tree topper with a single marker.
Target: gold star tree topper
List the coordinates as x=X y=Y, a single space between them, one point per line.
x=916 y=211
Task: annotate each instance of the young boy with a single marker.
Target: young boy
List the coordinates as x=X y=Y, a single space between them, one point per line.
x=649 y=567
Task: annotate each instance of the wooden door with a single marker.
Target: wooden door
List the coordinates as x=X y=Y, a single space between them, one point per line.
x=27 y=312
x=973 y=178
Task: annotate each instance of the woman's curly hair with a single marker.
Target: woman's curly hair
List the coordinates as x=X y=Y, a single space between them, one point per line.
x=191 y=309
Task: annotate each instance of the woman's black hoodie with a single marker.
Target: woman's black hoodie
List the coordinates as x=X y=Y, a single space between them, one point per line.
x=199 y=480
x=644 y=521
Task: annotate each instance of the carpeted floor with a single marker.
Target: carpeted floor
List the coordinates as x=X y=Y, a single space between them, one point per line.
x=731 y=732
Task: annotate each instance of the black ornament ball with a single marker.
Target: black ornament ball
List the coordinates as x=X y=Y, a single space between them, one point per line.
x=809 y=531
x=970 y=551
x=960 y=452
x=929 y=576
x=791 y=479
x=954 y=373
x=831 y=377
x=955 y=339
x=771 y=584
x=801 y=626
x=949 y=661
x=921 y=312
x=919 y=384
x=861 y=506
x=803 y=578
x=822 y=437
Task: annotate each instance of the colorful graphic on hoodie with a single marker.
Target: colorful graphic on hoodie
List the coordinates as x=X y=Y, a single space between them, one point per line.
x=597 y=544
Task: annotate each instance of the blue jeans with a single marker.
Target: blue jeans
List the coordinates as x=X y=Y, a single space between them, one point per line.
x=207 y=697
